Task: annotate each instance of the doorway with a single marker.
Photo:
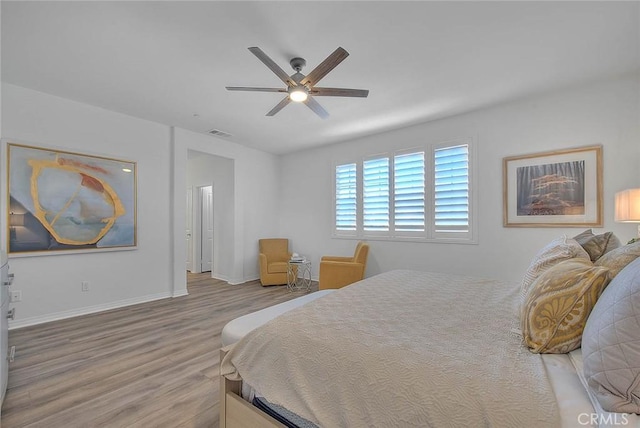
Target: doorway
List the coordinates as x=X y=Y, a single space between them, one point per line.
x=216 y=172
x=200 y=229
x=206 y=228
x=189 y=234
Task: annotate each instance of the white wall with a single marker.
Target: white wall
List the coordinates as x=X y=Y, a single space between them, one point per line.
x=216 y=171
x=51 y=285
x=605 y=113
x=0 y=81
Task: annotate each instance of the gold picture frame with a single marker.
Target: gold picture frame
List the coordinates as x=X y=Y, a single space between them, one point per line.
x=561 y=188
x=60 y=201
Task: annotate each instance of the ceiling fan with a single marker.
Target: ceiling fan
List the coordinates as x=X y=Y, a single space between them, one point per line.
x=301 y=88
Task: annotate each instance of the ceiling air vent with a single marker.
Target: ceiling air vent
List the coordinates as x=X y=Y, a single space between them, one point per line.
x=219 y=133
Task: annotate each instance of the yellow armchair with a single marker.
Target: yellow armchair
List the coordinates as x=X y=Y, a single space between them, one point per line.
x=274 y=255
x=336 y=272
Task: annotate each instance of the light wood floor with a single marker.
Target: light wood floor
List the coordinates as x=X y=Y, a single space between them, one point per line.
x=148 y=365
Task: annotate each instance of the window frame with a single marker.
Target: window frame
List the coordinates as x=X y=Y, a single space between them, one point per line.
x=405 y=234
x=345 y=233
x=429 y=234
x=469 y=236
x=362 y=232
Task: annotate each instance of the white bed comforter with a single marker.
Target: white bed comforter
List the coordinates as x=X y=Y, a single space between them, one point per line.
x=402 y=348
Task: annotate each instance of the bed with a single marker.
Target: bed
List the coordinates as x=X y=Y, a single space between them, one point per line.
x=403 y=348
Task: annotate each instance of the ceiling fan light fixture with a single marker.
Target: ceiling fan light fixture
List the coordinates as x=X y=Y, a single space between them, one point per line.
x=300 y=87
x=298 y=94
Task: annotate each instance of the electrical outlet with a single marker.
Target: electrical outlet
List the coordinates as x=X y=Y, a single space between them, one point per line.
x=15 y=296
x=85 y=285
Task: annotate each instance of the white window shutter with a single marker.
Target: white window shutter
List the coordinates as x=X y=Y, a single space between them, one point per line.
x=375 y=194
x=451 y=189
x=409 y=192
x=346 y=197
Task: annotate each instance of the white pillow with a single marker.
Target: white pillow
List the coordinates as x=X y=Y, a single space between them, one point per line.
x=611 y=343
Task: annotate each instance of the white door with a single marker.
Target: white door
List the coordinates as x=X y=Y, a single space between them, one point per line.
x=189 y=230
x=206 y=228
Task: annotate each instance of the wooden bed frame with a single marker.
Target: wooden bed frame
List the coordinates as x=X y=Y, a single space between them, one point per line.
x=236 y=412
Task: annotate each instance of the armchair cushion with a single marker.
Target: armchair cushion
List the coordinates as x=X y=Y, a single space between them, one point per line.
x=277 y=267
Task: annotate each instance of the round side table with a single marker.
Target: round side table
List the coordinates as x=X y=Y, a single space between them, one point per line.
x=299 y=275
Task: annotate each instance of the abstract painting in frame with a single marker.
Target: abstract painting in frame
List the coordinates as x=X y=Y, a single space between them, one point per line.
x=60 y=201
x=561 y=188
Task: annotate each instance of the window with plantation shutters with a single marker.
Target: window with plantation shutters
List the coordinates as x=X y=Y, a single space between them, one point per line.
x=408 y=186
x=420 y=194
x=451 y=189
x=346 y=195
x=375 y=194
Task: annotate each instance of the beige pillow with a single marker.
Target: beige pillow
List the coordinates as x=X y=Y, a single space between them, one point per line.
x=558 y=305
x=613 y=243
x=556 y=251
x=597 y=245
x=617 y=259
x=584 y=235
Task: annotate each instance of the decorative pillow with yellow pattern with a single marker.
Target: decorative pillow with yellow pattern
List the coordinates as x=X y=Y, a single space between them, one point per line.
x=558 y=305
x=556 y=251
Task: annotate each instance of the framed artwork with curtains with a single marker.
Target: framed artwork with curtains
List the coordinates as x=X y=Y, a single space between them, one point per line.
x=561 y=188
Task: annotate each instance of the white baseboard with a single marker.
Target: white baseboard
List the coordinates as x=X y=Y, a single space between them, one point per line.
x=216 y=275
x=243 y=280
x=179 y=293
x=234 y=281
x=86 y=310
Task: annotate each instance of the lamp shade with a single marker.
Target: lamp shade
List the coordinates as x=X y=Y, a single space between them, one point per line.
x=628 y=206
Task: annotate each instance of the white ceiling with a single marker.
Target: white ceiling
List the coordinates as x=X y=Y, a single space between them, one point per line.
x=170 y=61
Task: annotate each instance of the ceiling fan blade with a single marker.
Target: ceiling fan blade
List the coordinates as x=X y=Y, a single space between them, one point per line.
x=339 y=92
x=325 y=67
x=282 y=104
x=244 y=88
x=273 y=66
x=317 y=108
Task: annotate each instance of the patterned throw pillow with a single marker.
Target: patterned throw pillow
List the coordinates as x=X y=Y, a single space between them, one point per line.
x=597 y=245
x=556 y=251
x=558 y=305
x=617 y=259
